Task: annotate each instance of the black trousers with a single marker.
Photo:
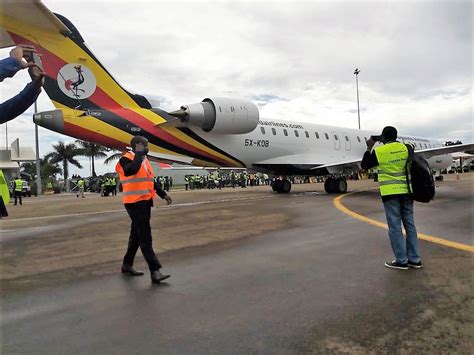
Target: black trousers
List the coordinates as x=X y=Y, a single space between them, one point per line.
x=3 y=209
x=17 y=195
x=140 y=234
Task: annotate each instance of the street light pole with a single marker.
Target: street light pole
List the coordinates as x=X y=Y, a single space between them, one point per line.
x=39 y=189
x=356 y=72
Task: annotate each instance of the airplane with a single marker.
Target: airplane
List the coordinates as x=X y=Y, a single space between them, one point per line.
x=217 y=132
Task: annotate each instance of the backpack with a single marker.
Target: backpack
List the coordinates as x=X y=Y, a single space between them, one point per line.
x=422 y=188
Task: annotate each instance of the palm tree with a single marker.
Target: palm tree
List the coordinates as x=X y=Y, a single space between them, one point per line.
x=47 y=169
x=92 y=151
x=29 y=168
x=64 y=153
x=113 y=157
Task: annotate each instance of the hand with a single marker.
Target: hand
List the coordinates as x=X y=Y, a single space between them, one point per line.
x=168 y=199
x=25 y=52
x=141 y=148
x=37 y=75
x=370 y=143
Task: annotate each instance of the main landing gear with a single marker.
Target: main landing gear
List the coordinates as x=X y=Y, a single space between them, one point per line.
x=335 y=185
x=281 y=186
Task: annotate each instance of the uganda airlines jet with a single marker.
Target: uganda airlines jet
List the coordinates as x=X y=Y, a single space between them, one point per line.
x=217 y=132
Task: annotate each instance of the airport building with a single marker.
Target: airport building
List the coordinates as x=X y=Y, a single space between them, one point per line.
x=10 y=159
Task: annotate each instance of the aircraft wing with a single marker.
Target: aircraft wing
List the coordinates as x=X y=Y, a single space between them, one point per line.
x=165 y=158
x=31 y=12
x=307 y=163
x=353 y=165
x=318 y=167
x=432 y=152
x=308 y=160
x=340 y=167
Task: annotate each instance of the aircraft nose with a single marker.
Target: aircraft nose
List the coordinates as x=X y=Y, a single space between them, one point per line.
x=53 y=120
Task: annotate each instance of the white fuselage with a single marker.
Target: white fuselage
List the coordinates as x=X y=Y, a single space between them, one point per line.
x=296 y=143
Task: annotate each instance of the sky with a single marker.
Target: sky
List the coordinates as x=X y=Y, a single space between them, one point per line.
x=295 y=60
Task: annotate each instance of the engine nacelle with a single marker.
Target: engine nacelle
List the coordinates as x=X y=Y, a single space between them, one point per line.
x=221 y=115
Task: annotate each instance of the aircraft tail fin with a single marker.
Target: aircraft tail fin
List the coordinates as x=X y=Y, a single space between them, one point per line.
x=75 y=78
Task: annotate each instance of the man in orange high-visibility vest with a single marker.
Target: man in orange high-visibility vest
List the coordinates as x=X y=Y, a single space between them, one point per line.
x=137 y=179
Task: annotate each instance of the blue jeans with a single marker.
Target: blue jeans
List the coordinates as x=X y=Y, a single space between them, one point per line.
x=400 y=209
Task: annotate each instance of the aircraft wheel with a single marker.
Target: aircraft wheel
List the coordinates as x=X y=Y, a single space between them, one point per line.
x=439 y=178
x=285 y=186
x=329 y=185
x=277 y=185
x=341 y=185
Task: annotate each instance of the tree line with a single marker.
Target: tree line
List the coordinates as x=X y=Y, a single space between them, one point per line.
x=57 y=161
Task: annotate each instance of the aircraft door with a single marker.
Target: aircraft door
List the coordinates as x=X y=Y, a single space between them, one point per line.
x=347 y=141
x=337 y=140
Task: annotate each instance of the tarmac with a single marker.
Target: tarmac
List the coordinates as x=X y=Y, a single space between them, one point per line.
x=252 y=271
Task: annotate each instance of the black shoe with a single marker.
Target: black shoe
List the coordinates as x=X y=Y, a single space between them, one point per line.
x=130 y=270
x=395 y=265
x=414 y=265
x=157 y=277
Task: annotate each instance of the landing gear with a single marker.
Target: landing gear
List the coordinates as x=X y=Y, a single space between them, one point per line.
x=335 y=185
x=281 y=186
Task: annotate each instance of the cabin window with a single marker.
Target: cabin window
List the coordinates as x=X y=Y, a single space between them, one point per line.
x=358 y=138
x=262 y=129
x=426 y=145
x=316 y=134
x=274 y=131
x=285 y=132
x=347 y=139
x=336 y=137
x=220 y=110
x=296 y=133
x=306 y=134
x=326 y=135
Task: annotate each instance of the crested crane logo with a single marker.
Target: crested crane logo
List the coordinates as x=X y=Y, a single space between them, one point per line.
x=76 y=81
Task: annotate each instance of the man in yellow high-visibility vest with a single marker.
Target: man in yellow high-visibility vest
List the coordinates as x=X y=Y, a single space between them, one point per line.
x=80 y=185
x=18 y=189
x=391 y=161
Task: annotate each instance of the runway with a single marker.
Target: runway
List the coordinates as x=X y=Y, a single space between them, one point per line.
x=252 y=272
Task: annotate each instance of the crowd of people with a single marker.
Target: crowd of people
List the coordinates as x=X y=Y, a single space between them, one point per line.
x=219 y=179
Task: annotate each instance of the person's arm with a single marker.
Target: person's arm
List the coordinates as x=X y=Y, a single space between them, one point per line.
x=369 y=160
x=162 y=193
x=9 y=67
x=21 y=57
x=131 y=167
x=19 y=103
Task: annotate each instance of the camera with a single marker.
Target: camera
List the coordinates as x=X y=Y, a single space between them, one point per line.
x=376 y=138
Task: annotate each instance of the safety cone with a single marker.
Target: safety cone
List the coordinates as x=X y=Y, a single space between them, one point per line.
x=457 y=176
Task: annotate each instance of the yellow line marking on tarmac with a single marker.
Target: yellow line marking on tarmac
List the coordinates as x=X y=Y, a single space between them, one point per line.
x=429 y=238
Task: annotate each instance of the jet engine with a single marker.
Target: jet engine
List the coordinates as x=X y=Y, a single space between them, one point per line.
x=220 y=115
